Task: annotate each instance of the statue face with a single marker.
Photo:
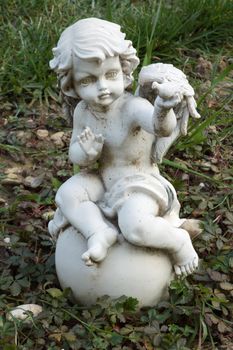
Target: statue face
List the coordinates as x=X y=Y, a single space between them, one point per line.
x=98 y=83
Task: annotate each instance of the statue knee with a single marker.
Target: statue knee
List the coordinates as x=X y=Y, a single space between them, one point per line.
x=133 y=230
x=66 y=194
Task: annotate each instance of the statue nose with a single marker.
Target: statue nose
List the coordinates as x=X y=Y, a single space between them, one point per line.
x=102 y=84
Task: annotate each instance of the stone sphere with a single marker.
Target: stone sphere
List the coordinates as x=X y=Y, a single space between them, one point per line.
x=128 y=270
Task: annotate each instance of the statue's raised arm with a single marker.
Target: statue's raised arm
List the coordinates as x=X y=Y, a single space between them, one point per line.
x=167 y=87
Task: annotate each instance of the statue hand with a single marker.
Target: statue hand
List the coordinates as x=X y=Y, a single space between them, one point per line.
x=168 y=95
x=90 y=143
x=187 y=108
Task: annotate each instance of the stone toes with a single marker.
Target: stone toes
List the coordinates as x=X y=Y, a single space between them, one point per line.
x=87 y=259
x=85 y=256
x=189 y=269
x=177 y=270
x=98 y=254
x=183 y=270
x=94 y=255
x=195 y=263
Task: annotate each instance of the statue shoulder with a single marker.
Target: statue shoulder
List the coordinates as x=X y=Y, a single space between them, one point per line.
x=79 y=109
x=137 y=102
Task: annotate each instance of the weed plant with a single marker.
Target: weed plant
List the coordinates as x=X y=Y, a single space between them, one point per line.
x=197 y=37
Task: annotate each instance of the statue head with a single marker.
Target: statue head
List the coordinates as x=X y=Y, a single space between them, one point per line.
x=91 y=39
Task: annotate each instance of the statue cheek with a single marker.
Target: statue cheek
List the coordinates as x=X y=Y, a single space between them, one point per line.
x=121 y=87
x=117 y=86
x=85 y=92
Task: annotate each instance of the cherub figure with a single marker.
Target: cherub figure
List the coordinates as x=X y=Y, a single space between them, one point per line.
x=94 y=63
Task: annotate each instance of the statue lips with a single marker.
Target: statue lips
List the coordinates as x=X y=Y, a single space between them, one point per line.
x=104 y=96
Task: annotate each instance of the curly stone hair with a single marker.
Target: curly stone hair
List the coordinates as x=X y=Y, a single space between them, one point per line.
x=90 y=39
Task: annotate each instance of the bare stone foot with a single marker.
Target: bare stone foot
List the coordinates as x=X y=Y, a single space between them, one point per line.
x=53 y=230
x=98 y=245
x=57 y=224
x=186 y=258
x=193 y=227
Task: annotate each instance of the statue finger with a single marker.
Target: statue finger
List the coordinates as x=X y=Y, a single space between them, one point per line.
x=194 y=102
x=88 y=131
x=183 y=103
x=180 y=110
x=82 y=137
x=80 y=141
x=87 y=134
x=184 y=122
x=192 y=107
x=82 y=133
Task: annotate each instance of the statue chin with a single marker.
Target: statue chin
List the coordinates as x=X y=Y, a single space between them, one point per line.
x=142 y=273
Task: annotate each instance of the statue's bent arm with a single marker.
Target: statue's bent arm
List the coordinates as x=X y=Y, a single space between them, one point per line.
x=77 y=154
x=155 y=119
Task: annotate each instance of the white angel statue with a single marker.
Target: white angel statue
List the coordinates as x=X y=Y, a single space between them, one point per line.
x=128 y=135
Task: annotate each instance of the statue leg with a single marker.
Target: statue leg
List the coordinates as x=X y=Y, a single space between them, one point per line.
x=76 y=200
x=141 y=225
x=192 y=226
x=58 y=223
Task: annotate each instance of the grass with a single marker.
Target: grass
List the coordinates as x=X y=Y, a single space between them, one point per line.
x=198 y=314
x=156 y=28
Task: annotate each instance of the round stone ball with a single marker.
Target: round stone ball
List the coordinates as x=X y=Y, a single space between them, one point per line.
x=137 y=272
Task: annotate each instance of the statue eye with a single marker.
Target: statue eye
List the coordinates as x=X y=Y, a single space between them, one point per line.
x=111 y=75
x=86 y=81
